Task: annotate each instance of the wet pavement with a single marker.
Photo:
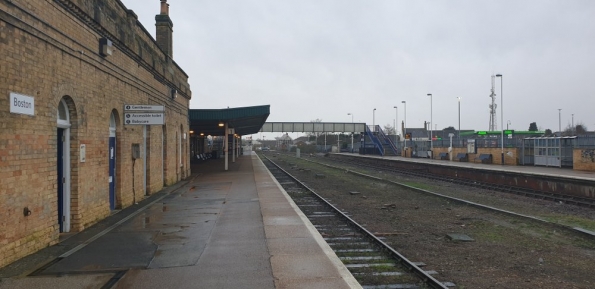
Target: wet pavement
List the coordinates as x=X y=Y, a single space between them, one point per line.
x=205 y=232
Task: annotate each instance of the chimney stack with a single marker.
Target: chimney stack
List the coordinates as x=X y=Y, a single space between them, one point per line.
x=164 y=33
x=164 y=7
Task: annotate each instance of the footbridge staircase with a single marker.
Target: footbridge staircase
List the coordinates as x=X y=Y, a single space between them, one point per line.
x=384 y=144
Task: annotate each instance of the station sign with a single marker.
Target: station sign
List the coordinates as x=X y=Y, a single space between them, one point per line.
x=142 y=107
x=22 y=104
x=147 y=118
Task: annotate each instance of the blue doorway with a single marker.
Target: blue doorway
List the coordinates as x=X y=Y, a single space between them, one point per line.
x=63 y=167
x=60 y=180
x=112 y=173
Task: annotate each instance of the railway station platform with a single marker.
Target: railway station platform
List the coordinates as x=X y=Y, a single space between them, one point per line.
x=530 y=170
x=218 y=229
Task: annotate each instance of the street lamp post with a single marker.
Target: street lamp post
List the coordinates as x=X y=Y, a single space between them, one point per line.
x=501 y=114
x=396 y=122
x=560 y=121
x=351 y=132
x=431 y=122
x=573 y=124
x=374 y=120
x=560 y=140
x=405 y=121
x=459 y=99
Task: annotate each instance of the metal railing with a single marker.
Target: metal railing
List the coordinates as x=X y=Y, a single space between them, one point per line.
x=479 y=142
x=374 y=139
x=388 y=140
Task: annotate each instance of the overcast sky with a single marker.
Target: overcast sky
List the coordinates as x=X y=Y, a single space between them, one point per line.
x=322 y=59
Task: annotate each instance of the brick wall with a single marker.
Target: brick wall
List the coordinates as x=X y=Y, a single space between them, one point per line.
x=509 y=159
x=50 y=52
x=584 y=159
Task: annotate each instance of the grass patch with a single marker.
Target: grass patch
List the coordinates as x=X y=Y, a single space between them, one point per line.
x=357 y=254
x=572 y=221
x=385 y=268
x=418 y=185
x=492 y=234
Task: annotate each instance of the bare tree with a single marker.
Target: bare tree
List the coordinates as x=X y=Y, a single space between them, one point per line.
x=578 y=129
x=389 y=129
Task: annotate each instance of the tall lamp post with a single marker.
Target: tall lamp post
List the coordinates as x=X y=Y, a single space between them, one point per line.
x=560 y=140
x=560 y=121
x=431 y=122
x=459 y=99
x=573 y=132
x=396 y=122
x=351 y=132
x=374 y=120
x=501 y=114
x=405 y=121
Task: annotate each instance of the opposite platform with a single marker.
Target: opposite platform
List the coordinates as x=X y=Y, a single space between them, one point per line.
x=531 y=170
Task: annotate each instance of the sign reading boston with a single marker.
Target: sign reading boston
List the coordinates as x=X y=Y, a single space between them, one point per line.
x=22 y=104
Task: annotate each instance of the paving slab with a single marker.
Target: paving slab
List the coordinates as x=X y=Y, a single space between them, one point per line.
x=112 y=251
x=73 y=281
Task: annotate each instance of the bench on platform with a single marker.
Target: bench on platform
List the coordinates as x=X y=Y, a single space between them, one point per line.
x=203 y=157
x=443 y=156
x=485 y=158
x=462 y=157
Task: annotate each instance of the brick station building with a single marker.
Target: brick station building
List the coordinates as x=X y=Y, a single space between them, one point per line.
x=67 y=152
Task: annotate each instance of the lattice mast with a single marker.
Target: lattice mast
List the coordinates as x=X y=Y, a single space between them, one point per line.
x=493 y=106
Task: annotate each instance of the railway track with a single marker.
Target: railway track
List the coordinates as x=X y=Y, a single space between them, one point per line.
x=571 y=229
x=426 y=217
x=372 y=261
x=584 y=202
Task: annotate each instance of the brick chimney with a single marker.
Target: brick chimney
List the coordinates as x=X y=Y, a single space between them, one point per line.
x=164 y=29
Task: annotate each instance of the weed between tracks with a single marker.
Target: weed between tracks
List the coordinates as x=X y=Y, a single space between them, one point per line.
x=419 y=185
x=573 y=221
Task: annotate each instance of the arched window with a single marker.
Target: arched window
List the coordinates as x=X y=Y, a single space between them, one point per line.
x=63 y=115
x=112 y=125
